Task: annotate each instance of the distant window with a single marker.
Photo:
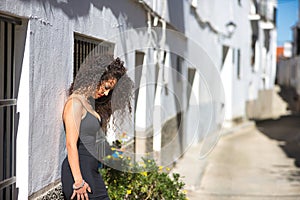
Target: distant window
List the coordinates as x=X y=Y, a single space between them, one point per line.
x=254 y=38
x=225 y=50
x=274 y=15
x=163 y=65
x=179 y=63
x=238 y=63
x=84 y=45
x=267 y=39
x=240 y=3
x=191 y=77
x=253 y=52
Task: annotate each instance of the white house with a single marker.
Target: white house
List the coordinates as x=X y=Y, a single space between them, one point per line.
x=195 y=64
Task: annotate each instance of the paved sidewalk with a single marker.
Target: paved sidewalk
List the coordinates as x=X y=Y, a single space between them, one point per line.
x=244 y=165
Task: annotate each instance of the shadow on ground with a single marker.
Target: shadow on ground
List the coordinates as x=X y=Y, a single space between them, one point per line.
x=286 y=130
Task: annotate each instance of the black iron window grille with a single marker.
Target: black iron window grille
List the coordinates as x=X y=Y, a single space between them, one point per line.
x=83 y=46
x=8 y=116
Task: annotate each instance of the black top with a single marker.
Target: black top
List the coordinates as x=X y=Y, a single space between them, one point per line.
x=90 y=137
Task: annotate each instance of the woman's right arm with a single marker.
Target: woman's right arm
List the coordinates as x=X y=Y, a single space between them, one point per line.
x=72 y=117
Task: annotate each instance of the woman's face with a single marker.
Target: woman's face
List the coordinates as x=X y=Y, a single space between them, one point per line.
x=105 y=87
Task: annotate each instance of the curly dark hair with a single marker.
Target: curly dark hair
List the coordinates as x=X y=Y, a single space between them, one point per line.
x=119 y=98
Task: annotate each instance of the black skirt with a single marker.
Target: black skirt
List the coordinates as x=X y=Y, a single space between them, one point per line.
x=89 y=171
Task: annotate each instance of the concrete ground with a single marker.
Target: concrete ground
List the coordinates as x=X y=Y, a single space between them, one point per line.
x=245 y=164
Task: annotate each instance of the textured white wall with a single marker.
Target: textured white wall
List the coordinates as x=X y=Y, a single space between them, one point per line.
x=210 y=32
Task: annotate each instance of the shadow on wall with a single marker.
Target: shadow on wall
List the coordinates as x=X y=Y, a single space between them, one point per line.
x=290 y=95
x=78 y=8
x=286 y=130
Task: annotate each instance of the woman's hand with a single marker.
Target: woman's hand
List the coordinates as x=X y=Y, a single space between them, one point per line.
x=81 y=193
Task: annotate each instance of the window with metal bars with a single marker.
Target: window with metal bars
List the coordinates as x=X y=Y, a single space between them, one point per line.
x=83 y=46
x=8 y=115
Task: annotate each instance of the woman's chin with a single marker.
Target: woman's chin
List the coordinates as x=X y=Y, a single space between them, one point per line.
x=98 y=96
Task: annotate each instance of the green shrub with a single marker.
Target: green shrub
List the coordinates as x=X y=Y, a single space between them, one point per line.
x=148 y=182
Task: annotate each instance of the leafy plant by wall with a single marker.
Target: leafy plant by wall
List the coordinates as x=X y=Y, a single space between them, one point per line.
x=141 y=180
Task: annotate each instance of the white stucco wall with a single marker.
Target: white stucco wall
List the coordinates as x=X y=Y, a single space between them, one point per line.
x=213 y=20
x=213 y=35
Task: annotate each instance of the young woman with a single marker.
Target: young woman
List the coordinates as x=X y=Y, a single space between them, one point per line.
x=97 y=80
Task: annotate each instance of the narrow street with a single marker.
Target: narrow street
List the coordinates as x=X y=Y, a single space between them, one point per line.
x=253 y=163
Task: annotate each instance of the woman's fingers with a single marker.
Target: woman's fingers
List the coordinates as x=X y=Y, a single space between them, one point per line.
x=73 y=195
x=88 y=188
x=81 y=194
x=86 y=196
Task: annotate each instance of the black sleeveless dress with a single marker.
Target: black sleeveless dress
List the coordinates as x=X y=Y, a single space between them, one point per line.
x=88 y=155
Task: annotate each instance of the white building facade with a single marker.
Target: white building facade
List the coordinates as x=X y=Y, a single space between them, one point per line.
x=194 y=63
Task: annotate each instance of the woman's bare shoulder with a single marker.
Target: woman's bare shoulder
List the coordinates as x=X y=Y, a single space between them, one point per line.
x=73 y=104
